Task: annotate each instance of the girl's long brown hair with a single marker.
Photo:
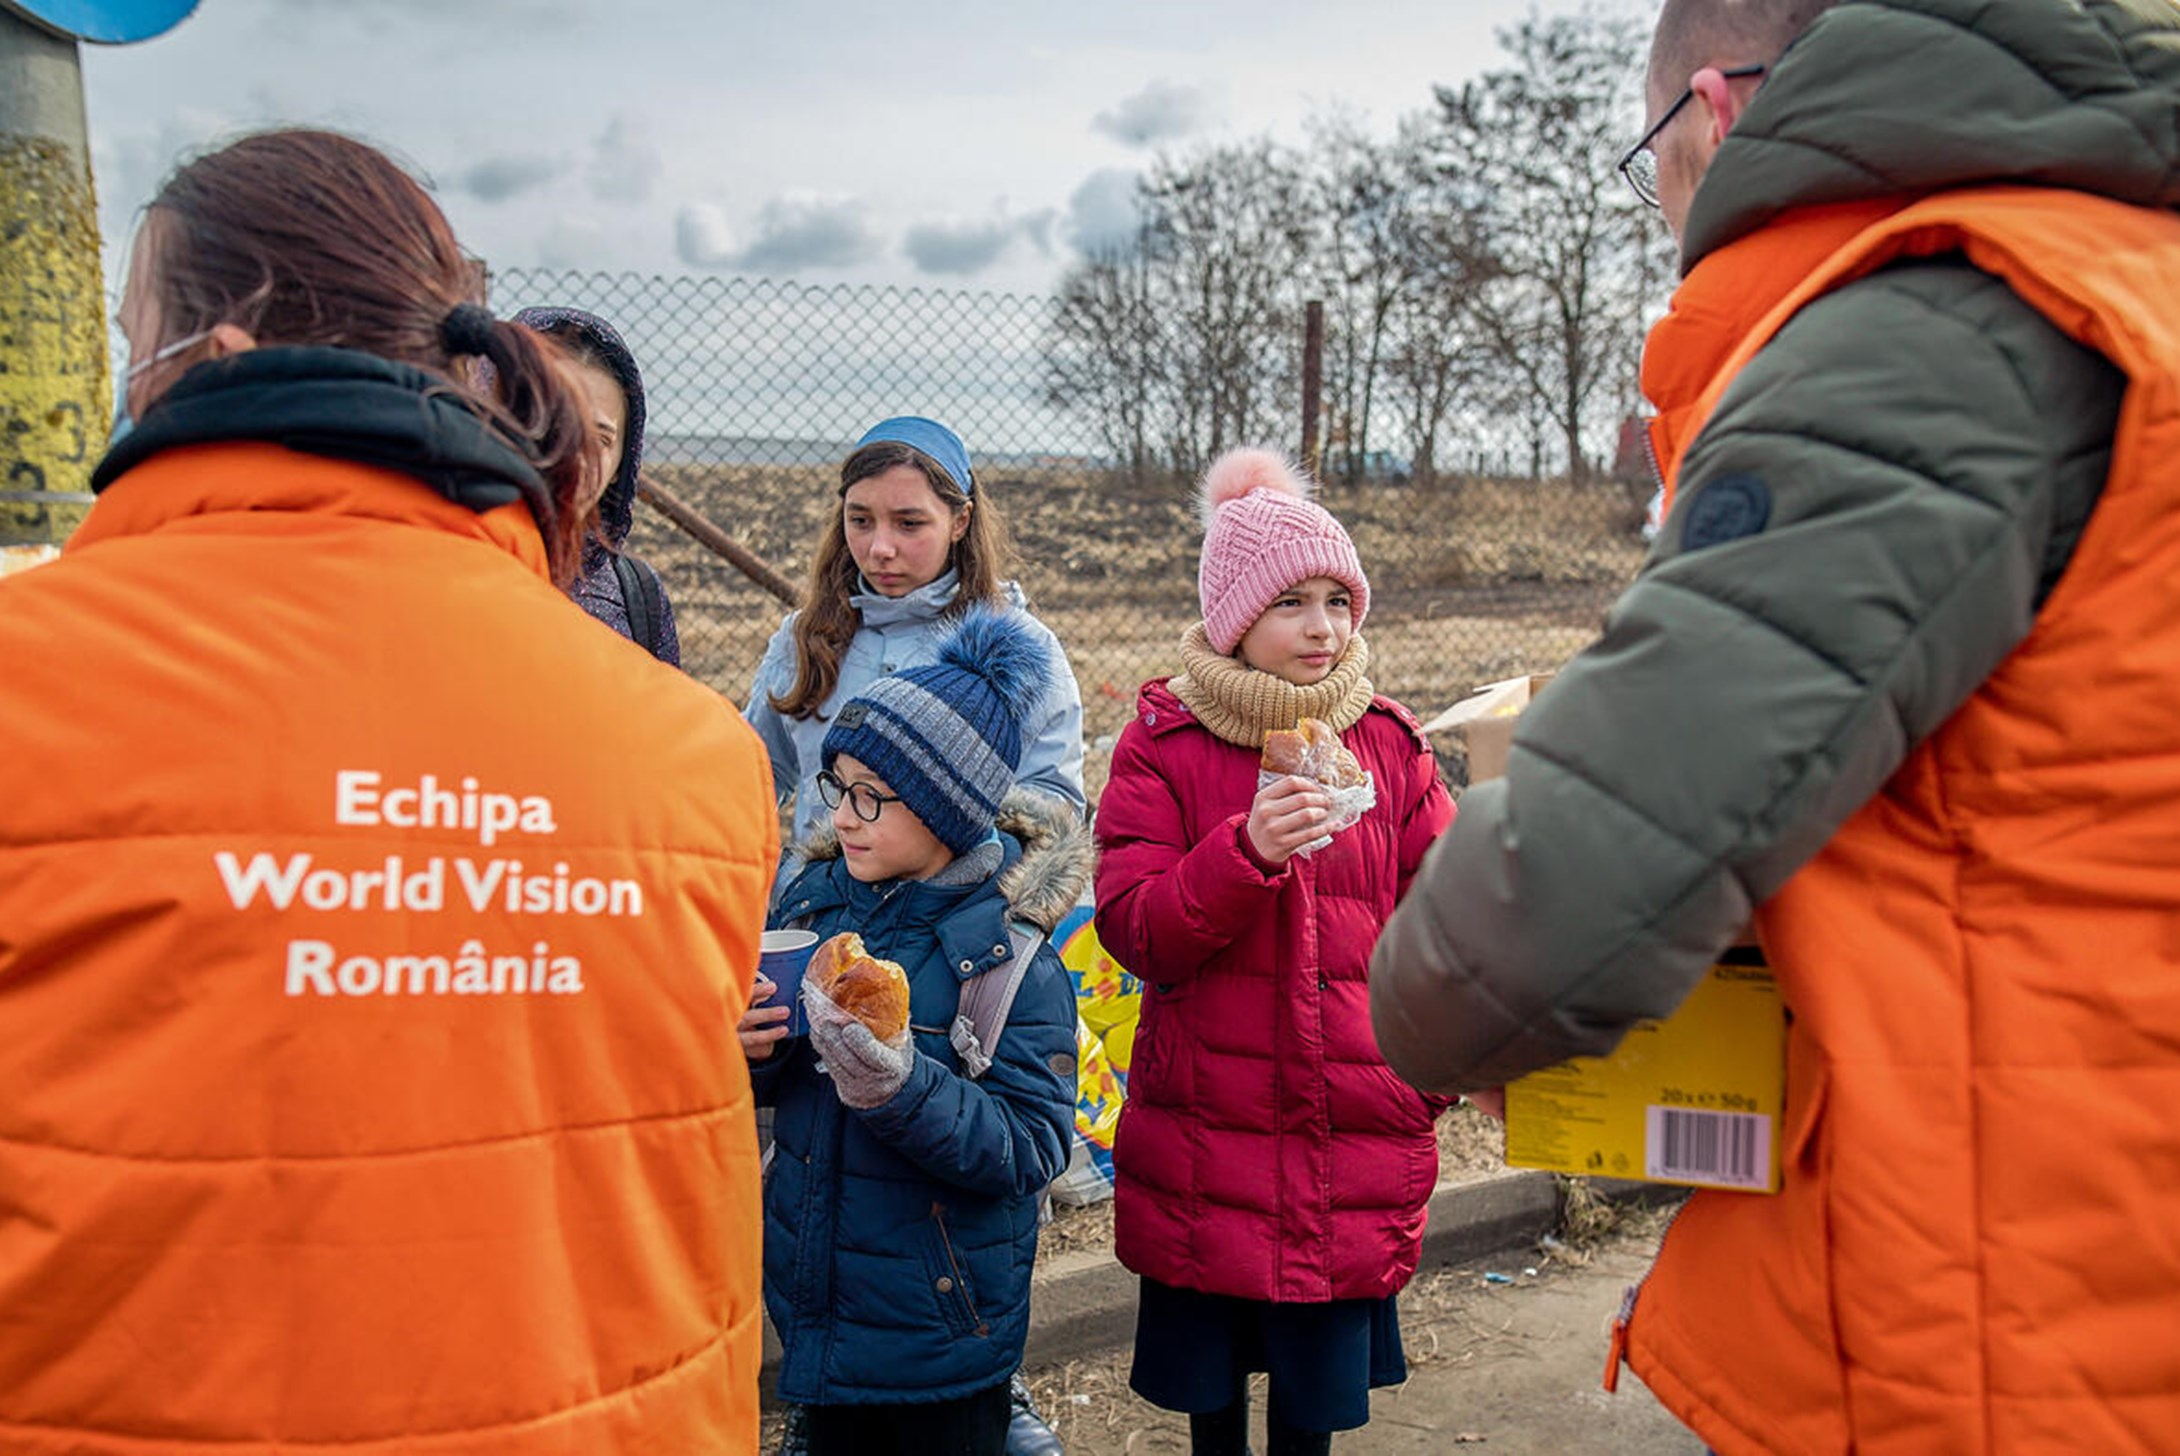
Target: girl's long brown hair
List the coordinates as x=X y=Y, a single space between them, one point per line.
x=983 y=558
x=310 y=237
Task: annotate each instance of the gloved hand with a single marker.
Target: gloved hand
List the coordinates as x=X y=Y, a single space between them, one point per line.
x=865 y=1071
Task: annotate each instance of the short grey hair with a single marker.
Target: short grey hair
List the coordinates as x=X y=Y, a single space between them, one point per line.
x=1692 y=34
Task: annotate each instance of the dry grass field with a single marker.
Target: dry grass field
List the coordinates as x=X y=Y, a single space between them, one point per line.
x=1473 y=581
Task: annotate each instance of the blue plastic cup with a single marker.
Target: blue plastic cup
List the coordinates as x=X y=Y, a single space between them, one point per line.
x=784 y=956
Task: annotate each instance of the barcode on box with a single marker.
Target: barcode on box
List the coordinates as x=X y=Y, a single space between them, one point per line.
x=1715 y=1149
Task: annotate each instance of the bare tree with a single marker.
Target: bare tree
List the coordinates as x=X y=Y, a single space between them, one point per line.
x=1104 y=355
x=1434 y=356
x=1362 y=203
x=1227 y=233
x=1572 y=250
x=1484 y=273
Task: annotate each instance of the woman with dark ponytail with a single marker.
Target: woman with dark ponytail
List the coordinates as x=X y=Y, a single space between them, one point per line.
x=368 y=1074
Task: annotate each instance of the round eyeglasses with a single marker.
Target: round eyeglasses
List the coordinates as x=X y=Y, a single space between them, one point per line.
x=866 y=801
x=1640 y=165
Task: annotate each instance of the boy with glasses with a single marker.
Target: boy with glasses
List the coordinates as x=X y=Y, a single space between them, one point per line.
x=901 y=1206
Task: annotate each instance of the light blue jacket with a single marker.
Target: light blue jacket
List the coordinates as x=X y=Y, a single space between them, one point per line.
x=900 y=633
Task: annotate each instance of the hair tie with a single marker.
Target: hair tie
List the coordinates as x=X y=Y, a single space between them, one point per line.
x=467 y=329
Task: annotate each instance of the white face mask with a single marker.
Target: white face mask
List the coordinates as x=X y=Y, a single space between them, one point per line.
x=123 y=422
x=166 y=353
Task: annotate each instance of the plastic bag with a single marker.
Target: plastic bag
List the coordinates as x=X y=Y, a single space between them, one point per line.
x=865 y=1069
x=1084 y=1182
x=1348 y=805
x=1107 y=998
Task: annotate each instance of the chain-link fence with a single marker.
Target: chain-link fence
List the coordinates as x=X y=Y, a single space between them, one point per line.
x=757 y=391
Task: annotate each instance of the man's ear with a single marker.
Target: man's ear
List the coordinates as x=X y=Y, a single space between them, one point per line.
x=230 y=339
x=1719 y=106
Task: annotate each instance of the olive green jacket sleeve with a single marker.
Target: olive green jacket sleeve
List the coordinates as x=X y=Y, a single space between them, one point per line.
x=1911 y=462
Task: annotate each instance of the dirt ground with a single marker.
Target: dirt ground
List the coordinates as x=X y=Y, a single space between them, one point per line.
x=1507 y=1368
x=1470 y=1146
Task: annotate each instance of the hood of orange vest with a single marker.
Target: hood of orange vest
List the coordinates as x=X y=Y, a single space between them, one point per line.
x=1902 y=98
x=345 y=405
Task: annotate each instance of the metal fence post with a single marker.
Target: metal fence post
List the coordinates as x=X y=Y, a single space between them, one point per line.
x=1313 y=381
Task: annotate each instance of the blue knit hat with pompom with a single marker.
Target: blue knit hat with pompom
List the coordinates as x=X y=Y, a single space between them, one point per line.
x=948 y=737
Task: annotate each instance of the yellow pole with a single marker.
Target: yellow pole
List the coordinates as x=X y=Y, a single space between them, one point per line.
x=55 y=389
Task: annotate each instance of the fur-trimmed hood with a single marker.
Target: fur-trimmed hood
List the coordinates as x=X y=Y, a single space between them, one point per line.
x=1049 y=876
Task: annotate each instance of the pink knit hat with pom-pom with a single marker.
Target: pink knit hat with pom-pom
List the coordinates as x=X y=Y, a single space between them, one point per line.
x=1263 y=535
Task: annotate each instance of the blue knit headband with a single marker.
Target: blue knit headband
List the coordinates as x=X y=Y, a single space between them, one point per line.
x=933 y=439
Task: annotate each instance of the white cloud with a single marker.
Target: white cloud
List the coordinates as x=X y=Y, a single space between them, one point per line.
x=633 y=101
x=496 y=179
x=625 y=162
x=795 y=231
x=1161 y=112
x=961 y=248
x=1039 y=226
x=393 y=17
x=702 y=236
x=578 y=240
x=1105 y=210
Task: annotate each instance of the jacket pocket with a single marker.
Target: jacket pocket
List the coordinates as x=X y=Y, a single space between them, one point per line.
x=1806 y=1085
x=946 y=1274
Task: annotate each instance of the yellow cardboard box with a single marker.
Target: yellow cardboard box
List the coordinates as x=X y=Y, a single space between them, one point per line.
x=1693 y=1099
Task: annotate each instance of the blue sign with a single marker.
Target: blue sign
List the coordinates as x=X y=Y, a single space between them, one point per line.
x=107 y=22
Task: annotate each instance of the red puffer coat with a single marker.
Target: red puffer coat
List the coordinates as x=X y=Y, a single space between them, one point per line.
x=1265 y=1150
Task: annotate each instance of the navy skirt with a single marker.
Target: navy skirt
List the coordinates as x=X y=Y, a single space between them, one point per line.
x=1194 y=1353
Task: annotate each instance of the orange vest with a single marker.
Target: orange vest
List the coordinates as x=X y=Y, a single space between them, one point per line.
x=1975 y=1249
x=373 y=928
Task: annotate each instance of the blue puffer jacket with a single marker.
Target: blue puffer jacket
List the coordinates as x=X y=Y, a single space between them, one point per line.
x=899 y=1240
x=899 y=633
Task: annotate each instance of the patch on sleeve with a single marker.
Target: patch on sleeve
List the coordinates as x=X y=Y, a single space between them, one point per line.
x=1727 y=509
x=1062 y=1064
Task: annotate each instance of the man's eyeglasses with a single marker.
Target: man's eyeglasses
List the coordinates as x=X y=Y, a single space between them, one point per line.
x=1640 y=165
x=867 y=802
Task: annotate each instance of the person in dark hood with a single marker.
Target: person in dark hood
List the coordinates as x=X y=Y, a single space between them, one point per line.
x=617 y=588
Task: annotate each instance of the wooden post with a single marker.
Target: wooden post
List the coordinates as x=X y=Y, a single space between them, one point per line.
x=1313 y=381
x=708 y=535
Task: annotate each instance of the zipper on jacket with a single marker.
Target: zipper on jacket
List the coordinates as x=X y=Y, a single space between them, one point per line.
x=1616 y=1351
x=961 y=1285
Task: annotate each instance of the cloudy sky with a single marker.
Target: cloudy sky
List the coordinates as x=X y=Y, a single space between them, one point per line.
x=964 y=143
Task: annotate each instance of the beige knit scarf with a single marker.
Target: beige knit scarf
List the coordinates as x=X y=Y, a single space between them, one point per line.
x=1240 y=704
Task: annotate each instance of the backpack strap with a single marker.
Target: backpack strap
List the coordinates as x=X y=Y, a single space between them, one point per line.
x=986 y=1000
x=640 y=595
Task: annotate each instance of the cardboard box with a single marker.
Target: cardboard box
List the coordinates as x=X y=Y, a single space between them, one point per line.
x=1485 y=721
x=1692 y=1100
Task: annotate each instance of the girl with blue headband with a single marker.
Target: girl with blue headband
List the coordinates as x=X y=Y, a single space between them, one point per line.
x=913 y=544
